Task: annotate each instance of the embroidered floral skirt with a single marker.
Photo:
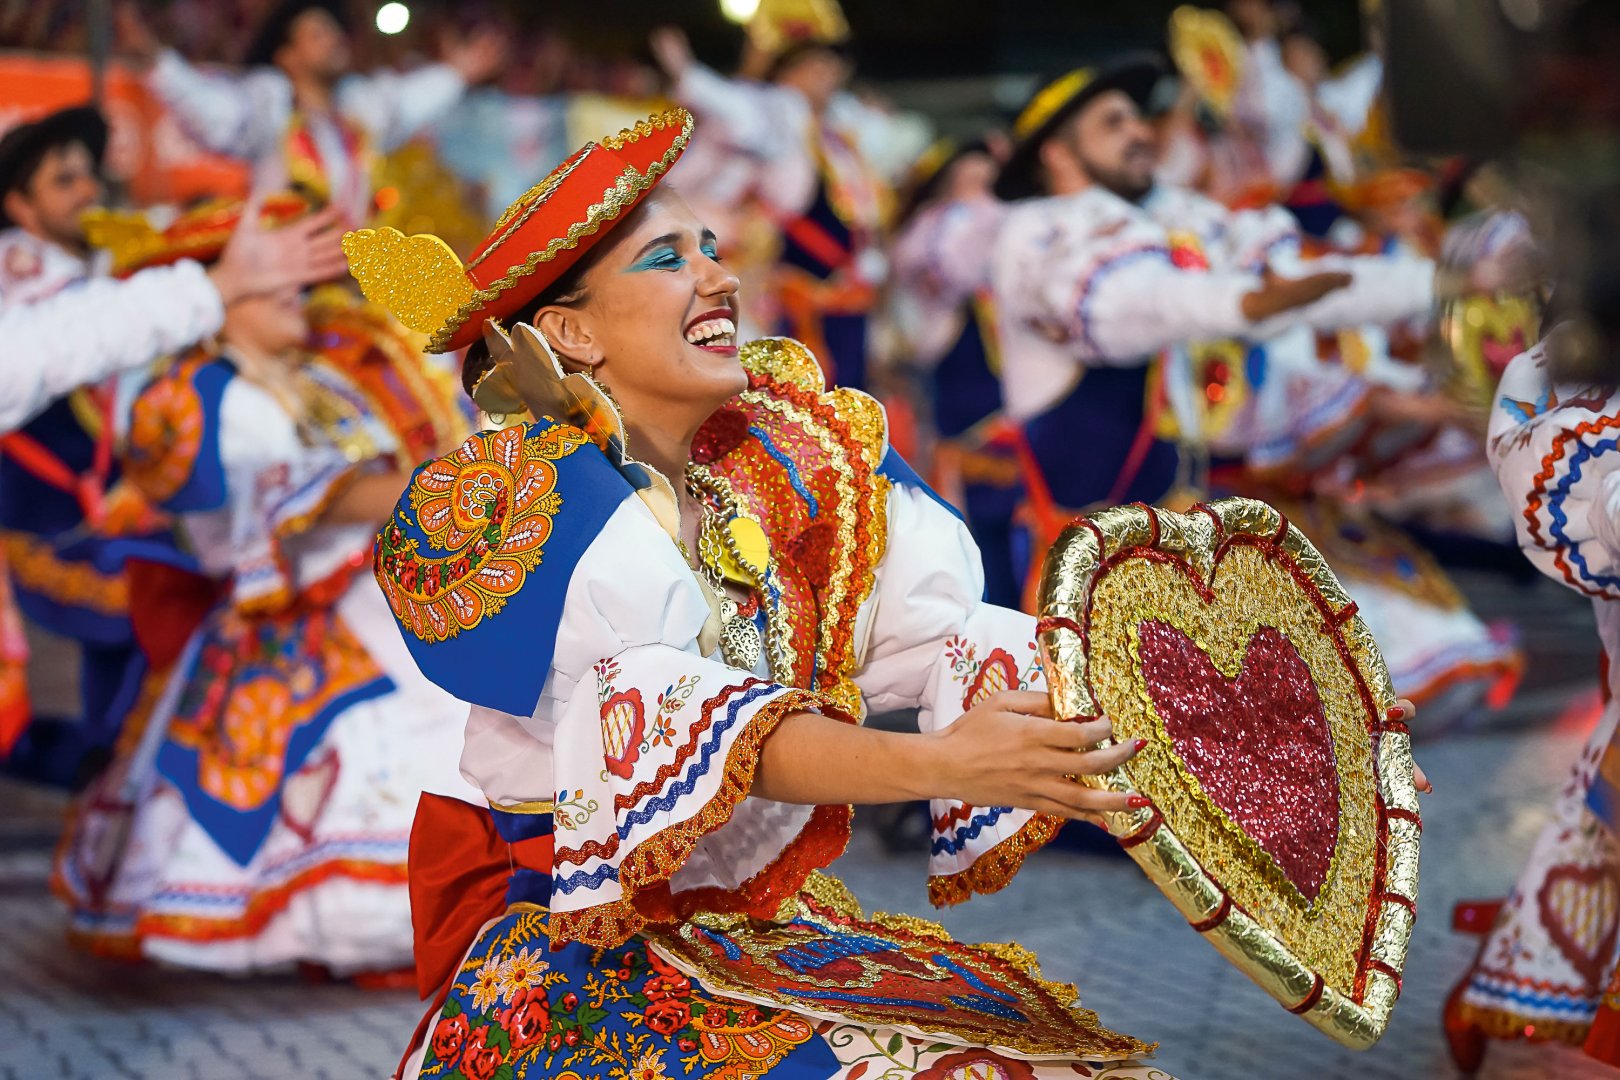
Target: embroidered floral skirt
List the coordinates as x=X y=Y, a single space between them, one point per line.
x=642 y=1011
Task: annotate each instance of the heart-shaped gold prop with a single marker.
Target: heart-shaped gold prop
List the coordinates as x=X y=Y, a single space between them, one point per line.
x=1284 y=821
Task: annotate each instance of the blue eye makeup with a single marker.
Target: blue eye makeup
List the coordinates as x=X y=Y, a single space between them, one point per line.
x=660 y=258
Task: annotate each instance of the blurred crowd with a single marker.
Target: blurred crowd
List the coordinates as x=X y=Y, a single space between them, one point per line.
x=1174 y=275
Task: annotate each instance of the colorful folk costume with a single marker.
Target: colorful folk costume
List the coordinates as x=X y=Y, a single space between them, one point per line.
x=261 y=817
x=66 y=527
x=626 y=904
x=330 y=156
x=940 y=303
x=1548 y=967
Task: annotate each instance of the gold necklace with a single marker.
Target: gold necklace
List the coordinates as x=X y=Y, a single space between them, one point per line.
x=741 y=644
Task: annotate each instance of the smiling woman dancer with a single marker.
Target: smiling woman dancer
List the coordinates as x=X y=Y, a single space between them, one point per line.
x=668 y=613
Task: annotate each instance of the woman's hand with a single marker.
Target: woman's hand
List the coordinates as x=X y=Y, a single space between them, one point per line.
x=1008 y=751
x=1405 y=711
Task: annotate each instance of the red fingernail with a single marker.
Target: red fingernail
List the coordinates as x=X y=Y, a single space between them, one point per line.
x=1395 y=712
x=1138 y=802
x=1140 y=745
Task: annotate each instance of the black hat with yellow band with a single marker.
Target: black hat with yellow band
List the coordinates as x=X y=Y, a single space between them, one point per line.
x=1060 y=99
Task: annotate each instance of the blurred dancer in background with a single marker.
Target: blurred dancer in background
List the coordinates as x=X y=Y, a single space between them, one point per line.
x=803 y=145
x=260 y=816
x=67 y=523
x=941 y=310
x=299 y=115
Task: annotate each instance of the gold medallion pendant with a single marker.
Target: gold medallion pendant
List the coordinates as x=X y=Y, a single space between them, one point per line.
x=740 y=641
x=1283 y=820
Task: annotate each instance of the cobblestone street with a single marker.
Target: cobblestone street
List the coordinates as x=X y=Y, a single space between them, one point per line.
x=1093 y=919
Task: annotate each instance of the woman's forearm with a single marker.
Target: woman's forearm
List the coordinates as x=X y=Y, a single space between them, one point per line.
x=812 y=759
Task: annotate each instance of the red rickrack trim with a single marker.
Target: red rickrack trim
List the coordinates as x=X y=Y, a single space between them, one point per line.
x=1405 y=815
x=1055 y=622
x=1343 y=615
x=1538 y=483
x=1142 y=834
x=1282 y=528
x=1404 y=901
x=1379 y=965
x=1308 y=1003
x=1215 y=519
x=1153 y=516
x=1204 y=926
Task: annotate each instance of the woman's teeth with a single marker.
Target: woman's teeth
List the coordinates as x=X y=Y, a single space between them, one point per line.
x=713 y=332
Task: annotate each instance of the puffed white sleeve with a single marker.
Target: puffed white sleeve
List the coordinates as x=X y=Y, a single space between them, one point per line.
x=1383 y=289
x=1555 y=455
x=1104 y=282
x=99 y=328
x=654 y=749
x=934 y=645
x=240 y=115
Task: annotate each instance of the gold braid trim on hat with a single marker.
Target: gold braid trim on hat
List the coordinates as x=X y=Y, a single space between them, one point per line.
x=424 y=284
x=1053 y=97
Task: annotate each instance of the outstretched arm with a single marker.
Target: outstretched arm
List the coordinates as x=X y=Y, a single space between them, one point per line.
x=1006 y=751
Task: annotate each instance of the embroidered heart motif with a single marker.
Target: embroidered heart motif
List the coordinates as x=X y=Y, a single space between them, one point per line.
x=624 y=722
x=306 y=792
x=1259 y=744
x=1281 y=818
x=998 y=672
x=1579 y=907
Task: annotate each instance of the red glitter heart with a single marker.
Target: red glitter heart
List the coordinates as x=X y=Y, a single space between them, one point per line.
x=1259 y=745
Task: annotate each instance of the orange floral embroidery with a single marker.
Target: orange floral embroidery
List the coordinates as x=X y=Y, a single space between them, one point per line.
x=489 y=506
x=165 y=435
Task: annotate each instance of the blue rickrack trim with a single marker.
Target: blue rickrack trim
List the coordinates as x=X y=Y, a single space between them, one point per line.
x=787 y=464
x=1540 y=1001
x=950 y=845
x=1555 y=509
x=664 y=803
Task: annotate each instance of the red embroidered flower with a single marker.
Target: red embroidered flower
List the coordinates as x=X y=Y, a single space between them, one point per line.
x=527 y=1018
x=570 y=1002
x=448 y=1037
x=672 y=985
x=977 y=1065
x=667 y=1016
x=480 y=1060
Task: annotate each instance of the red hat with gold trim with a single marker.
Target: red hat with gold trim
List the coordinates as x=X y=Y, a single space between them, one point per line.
x=550 y=226
x=200 y=233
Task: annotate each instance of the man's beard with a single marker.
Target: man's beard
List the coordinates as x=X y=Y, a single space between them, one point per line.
x=1123 y=182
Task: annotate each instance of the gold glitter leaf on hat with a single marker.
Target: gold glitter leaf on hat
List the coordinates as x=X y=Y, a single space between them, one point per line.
x=128 y=236
x=417 y=278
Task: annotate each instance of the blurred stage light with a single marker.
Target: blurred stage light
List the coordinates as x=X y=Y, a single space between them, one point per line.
x=392 y=18
x=739 y=11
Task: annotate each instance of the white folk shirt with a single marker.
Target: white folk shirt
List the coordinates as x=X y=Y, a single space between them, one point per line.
x=1089 y=280
x=248 y=116
x=63 y=328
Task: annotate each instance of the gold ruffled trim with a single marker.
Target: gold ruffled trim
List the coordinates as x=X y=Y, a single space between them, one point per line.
x=995 y=869
x=655 y=860
x=1503 y=1024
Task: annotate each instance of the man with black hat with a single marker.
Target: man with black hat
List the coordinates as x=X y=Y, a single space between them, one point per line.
x=1098 y=272
x=65 y=328
x=299 y=115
